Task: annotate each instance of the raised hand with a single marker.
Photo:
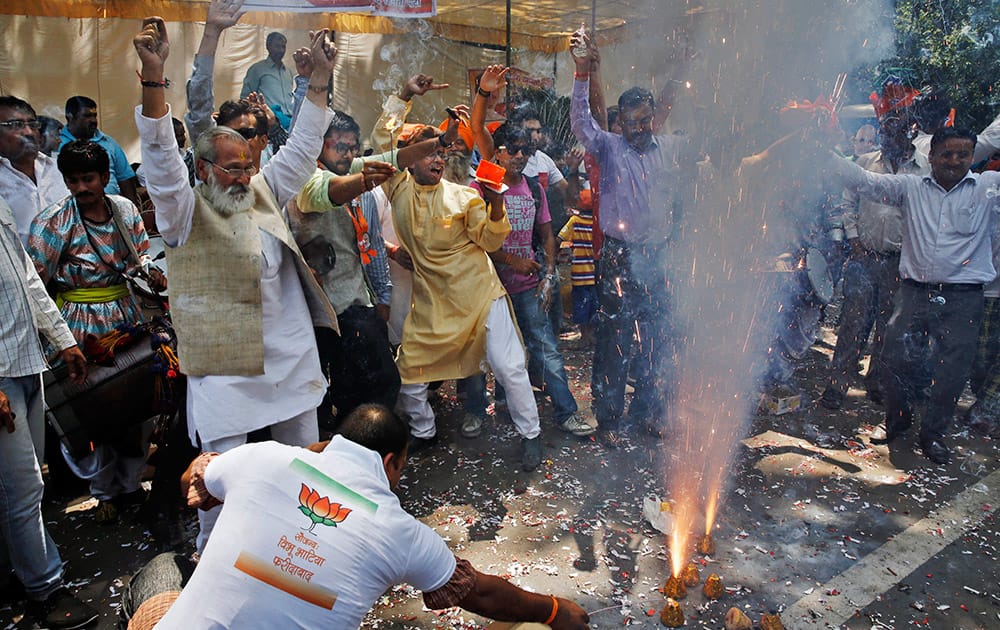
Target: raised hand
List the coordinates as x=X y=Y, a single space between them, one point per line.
x=420 y=84
x=224 y=13
x=494 y=78
x=322 y=51
x=303 y=62
x=153 y=47
x=582 y=40
x=463 y=112
x=451 y=133
x=257 y=100
x=573 y=159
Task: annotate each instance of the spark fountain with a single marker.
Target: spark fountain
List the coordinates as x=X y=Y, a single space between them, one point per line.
x=744 y=61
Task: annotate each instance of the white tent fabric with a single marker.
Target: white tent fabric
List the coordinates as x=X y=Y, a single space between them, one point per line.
x=45 y=60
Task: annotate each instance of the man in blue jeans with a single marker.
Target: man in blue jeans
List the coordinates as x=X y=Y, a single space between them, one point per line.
x=530 y=295
x=640 y=177
x=28 y=550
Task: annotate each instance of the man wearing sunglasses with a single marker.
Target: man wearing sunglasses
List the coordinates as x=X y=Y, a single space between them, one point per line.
x=29 y=179
x=249 y=116
x=530 y=286
x=243 y=300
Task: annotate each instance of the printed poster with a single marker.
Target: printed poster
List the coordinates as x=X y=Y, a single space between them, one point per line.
x=388 y=8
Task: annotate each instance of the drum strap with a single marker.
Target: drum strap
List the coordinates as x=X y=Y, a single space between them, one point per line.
x=129 y=244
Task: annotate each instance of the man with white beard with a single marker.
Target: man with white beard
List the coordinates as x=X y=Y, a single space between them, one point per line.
x=243 y=300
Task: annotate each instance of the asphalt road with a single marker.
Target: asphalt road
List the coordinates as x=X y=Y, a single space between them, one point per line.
x=817 y=525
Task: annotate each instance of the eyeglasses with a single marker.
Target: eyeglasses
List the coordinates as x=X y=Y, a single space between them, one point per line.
x=248 y=133
x=17 y=125
x=343 y=147
x=514 y=149
x=636 y=124
x=249 y=171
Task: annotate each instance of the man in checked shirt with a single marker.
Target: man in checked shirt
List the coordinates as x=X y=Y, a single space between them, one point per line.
x=25 y=310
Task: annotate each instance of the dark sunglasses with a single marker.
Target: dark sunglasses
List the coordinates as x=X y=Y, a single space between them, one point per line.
x=248 y=133
x=514 y=149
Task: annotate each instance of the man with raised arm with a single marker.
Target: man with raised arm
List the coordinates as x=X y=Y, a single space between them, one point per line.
x=243 y=300
x=949 y=220
x=250 y=116
x=639 y=180
x=335 y=221
x=460 y=314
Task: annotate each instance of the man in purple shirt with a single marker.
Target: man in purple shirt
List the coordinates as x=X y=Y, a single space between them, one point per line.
x=638 y=180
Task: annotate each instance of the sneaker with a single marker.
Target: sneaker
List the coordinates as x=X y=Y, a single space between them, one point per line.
x=62 y=609
x=532 y=455
x=575 y=425
x=832 y=399
x=472 y=425
x=875 y=395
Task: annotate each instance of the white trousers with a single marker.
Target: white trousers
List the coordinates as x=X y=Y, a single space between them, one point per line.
x=302 y=430
x=505 y=355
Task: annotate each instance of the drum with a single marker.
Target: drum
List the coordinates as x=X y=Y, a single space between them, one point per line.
x=112 y=398
x=818 y=274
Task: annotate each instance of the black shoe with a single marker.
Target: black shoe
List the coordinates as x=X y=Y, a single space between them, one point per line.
x=419 y=444
x=936 y=451
x=875 y=395
x=531 y=457
x=62 y=609
x=832 y=399
x=130 y=499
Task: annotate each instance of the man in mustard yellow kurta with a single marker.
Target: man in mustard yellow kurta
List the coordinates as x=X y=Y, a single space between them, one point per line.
x=460 y=316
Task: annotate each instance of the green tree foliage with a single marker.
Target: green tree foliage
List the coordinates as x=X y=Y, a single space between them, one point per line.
x=953 y=45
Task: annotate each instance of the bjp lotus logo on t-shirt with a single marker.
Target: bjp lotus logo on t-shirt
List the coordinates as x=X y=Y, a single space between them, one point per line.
x=319 y=509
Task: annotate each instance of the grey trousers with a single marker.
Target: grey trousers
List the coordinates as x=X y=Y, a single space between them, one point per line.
x=870 y=284
x=939 y=327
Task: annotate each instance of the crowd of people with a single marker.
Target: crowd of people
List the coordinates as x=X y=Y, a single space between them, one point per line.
x=313 y=287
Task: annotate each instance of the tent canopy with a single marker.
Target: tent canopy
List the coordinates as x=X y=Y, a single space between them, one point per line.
x=540 y=25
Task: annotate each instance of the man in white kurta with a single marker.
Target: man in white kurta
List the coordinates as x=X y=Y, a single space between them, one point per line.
x=241 y=393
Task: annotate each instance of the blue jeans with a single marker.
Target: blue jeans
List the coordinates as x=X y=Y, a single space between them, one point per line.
x=28 y=548
x=540 y=341
x=632 y=334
